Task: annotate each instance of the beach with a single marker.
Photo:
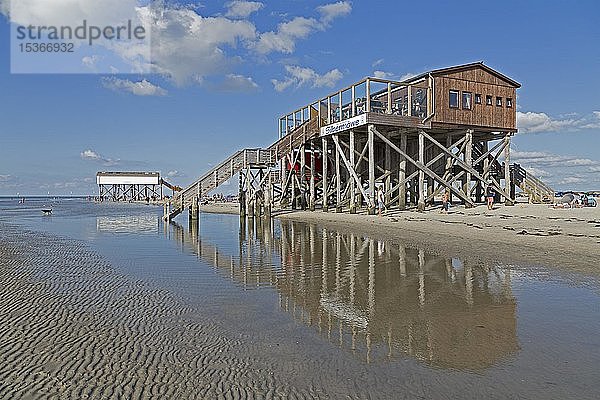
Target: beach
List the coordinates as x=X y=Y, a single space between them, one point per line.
x=114 y=304
x=534 y=234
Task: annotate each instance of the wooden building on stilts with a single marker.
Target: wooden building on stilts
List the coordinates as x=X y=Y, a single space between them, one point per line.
x=446 y=130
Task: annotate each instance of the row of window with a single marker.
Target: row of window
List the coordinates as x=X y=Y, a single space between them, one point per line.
x=467 y=98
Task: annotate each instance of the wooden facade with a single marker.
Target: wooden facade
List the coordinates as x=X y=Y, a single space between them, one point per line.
x=482 y=83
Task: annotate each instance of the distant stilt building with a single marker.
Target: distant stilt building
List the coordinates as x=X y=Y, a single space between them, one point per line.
x=131 y=186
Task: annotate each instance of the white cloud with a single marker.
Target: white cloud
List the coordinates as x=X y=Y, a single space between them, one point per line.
x=283 y=40
x=383 y=75
x=559 y=171
x=538 y=172
x=91 y=155
x=186 y=46
x=242 y=9
x=302 y=76
x=5 y=177
x=569 y=180
x=392 y=76
x=90 y=61
x=377 y=63
x=331 y=11
x=533 y=122
x=140 y=88
x=174 y=174
x=237 y=83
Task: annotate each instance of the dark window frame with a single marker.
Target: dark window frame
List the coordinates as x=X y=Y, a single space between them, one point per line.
x=462 y=100
x=477 y=98
x=450 y=92
x=498 y=101
x=489 y=100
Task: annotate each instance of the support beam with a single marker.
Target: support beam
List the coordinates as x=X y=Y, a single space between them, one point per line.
x=371 y=143
x=421 y=166
x=402 y=172
x=352 y=183
x=469 y=162
x=508 y=200
x=422 y=195
x=352 y=172
x=388 y=168
x=311 y=204
x=325 y=161
x=338 y=183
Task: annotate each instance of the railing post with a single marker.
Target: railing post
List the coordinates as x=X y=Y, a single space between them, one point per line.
x=353 y=100
x=409 y=100
x=368 y=93
x=389 y=98
x=324 y=161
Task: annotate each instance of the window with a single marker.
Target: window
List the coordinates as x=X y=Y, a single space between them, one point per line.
x=508 y=102
x=453 y=99
x=499 y=101
x=477 y=98
x=488 y=100
x=466 y=100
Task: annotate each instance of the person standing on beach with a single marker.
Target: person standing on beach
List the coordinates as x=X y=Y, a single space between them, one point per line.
x=490 y=194
x=445 y=202
x=380 y=200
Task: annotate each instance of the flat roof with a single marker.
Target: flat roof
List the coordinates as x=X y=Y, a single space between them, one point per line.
x=127 y=173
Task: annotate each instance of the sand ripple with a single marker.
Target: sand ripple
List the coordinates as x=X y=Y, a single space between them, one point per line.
x=72 y=327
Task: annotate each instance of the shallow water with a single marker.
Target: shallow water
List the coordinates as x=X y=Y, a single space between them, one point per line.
x=335 y=315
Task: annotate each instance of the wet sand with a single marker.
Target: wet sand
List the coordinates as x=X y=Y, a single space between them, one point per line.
x=73 y=328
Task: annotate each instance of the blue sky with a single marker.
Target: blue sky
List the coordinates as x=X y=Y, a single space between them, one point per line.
x=222 y=86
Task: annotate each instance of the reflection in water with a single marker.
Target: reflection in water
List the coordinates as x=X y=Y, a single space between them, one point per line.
x=374 y=298
x=128 y=224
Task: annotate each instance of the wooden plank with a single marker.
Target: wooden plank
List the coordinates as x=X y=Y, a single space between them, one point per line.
x=371 y=141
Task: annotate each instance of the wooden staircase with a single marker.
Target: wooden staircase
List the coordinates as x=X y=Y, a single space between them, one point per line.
x=261 y=158
x=537 y=190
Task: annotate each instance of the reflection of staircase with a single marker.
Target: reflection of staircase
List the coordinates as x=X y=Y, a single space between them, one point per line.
x=537 y=190
x=240 y=160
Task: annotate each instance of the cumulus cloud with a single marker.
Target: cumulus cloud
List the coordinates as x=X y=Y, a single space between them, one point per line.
x=90 y=61
x=237 y=83
x=91 y=155
x=302 y=76
x=329 y=12
x=242 y=9
x=559 y=171
x=140 y=88
x=534 y=122
x=569 y=180
x=187 y=47
x=383 y=75
x=283 y=40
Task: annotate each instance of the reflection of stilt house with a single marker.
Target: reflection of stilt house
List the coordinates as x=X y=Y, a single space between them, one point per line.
x=444 y=130
x=371 y=297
